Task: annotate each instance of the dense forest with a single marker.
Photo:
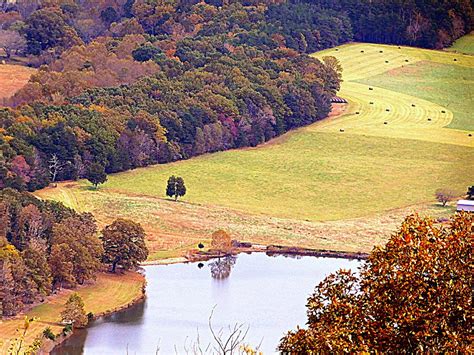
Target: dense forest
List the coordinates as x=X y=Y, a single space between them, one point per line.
x=130 y=83
x=45 y=246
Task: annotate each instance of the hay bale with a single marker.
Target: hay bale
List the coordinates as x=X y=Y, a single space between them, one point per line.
x=406 y=60
x=371 y=102
x=385 y=122
x=341 y=130
x=387 y=109
x=413 y=105
x=386 y=61
x=362 y=51
x=443 y=111
x=380 y=51
x=357 y=112
x=455 y=60
x=371 y=89
x=429 y=119
x=469 y=135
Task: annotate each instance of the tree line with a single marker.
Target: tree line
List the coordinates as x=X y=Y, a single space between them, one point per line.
x=133 y=83
x=45 y=246
x=241 y=97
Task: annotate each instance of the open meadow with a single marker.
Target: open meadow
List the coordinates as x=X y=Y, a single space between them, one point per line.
x=464 y=44
x=343 y=183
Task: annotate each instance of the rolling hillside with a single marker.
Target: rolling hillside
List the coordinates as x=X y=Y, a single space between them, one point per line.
x=404 y=134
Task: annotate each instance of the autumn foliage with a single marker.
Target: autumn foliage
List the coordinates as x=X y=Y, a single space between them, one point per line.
x=413 y=295
x=221 y=241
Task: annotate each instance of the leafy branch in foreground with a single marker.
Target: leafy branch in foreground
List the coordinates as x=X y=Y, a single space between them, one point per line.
x=18 y=346
x=413 y=295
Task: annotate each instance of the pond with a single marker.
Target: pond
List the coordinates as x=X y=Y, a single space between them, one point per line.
x=265 y=294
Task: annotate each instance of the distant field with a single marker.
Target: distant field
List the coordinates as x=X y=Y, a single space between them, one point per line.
x=115 y=292
x=464 y=44
x=317 y=186
x=13 y=78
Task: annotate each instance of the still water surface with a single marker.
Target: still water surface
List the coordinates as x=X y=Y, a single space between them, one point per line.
x=267 y=294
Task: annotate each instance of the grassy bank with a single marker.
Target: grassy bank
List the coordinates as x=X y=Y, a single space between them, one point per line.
x=108 y=293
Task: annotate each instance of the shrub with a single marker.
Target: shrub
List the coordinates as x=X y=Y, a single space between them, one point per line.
x=48 y=333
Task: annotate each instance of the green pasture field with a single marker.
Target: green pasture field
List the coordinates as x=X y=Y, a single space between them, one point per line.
x=404 y=134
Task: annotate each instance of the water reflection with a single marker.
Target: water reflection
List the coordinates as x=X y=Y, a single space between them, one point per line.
x=268 y=295
x=222 y=267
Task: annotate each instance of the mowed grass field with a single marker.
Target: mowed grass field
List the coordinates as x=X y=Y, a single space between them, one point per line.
x=464 y=44
x=404 y=134
x=13 y=78
x=108 y=293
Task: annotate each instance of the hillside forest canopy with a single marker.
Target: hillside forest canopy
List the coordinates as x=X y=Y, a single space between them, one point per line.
x=125 y=84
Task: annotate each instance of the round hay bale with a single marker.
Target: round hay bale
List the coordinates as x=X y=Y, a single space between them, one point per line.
x=455 y=60
x=406 y=60
x=385 y=122
x=387 y=109
x=371 y=103
x=469 y=135
x=429 y=119
x=362 y=51
x=357 y=112
x=341 y=130
x=386 y=61
x=413 y=105
x=371 y=89
x=380 y=51
x=443 y=111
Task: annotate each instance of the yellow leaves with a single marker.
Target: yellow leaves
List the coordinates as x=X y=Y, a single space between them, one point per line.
x=53 y=119
x=99 y=108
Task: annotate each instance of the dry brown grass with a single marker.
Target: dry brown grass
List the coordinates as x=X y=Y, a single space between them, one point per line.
x=13 y=78
x=175 y=227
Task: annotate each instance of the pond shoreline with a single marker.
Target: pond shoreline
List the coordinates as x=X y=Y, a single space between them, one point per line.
x=49 y=345
x=197 y=256
x=270 y=250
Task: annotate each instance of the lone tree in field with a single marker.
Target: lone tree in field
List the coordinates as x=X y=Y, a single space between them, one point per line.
x=175 y=187
x=96 y=174
x=221 y=241
x=414 y=294
x=444 y=196
x=74 y=313
x=470 y=192
x=124 y=244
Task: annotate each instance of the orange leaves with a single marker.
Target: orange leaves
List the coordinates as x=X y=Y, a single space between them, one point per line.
x=414 y=294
